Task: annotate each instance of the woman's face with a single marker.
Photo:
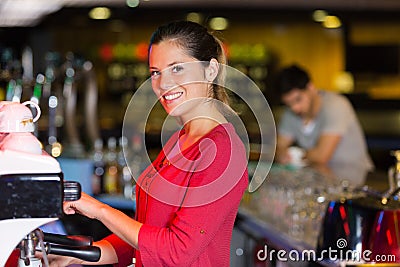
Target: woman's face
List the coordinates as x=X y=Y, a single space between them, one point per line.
x=177 y=78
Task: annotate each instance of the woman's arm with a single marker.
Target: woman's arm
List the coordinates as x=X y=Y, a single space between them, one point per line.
x=116 y=221
x=282 y=156
x=324 y=150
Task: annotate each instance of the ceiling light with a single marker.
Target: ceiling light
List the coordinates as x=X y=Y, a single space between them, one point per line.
x=132 y=3
x=100 y=13
x=332 y=22
x=218 y=23
x=319 y=15
x=194 y=17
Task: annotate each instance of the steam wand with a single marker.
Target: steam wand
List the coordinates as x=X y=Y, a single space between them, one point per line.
x=73 y=246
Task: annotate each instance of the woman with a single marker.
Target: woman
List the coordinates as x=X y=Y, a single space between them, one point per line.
x=188 y=198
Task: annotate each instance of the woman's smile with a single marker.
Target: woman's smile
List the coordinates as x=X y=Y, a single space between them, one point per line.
x=171 y=96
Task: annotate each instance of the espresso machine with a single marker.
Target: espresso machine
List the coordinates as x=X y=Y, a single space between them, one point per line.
x=32 y=193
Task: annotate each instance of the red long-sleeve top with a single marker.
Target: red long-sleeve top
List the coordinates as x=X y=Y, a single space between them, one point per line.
x=188 y=204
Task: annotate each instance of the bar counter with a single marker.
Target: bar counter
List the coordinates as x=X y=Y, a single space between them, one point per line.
x=286 y=212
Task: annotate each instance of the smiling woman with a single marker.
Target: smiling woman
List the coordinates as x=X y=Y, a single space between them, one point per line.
x=188 y=198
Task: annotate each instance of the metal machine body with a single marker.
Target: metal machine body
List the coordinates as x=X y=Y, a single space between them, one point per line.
x=32 y=191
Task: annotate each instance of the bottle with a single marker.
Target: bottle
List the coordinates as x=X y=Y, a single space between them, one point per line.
x=122 y=148
x=111 y=175
x=135 y=162
x=125 y=178
x=98 y=167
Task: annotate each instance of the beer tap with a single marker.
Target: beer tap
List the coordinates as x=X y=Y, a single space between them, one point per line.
x=78 y=72
x=37 y=93
x=10 y=89
x=394 y=172
x=51 y=93
x=91 y=99
x=75 y=147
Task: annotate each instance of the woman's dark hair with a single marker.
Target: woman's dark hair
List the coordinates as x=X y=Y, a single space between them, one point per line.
x=290 y=78
x=198 y=43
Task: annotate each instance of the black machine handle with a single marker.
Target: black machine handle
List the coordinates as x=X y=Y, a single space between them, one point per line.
x=68 y=240
x=76 y=246
x=72 y=191
x=86 y=253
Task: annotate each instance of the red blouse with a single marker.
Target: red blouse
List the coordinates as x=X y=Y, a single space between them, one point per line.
x=188 y=203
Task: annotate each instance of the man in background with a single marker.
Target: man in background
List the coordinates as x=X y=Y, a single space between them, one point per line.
x=323 y=124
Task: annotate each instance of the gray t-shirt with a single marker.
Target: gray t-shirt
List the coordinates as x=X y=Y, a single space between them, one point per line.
x=336 y=116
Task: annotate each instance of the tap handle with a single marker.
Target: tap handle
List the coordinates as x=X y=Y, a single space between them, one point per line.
x=396 y=154
x=394 y=174
x=72 y=191
x=86 y=253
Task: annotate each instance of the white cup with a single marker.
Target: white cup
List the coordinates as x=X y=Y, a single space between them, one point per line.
x=296 y=155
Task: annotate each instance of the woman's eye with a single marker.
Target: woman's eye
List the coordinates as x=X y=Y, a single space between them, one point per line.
x=177 y=68
x=154 y=73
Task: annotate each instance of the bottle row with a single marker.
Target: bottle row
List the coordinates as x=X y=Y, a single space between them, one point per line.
x=116 y=166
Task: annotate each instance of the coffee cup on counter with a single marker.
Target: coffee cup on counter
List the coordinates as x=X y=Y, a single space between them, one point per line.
x=297 y=156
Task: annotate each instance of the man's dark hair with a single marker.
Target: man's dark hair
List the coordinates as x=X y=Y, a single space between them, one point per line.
x=290 y=78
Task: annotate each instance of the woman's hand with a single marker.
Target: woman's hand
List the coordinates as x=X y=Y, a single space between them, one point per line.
x=58 y=261
x=86 y=205
x=61 y=261
x=107 y=256
x=115 y=220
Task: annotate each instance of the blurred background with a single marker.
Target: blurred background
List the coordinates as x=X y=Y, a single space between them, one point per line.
x=82 y=60
x=352 y=47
